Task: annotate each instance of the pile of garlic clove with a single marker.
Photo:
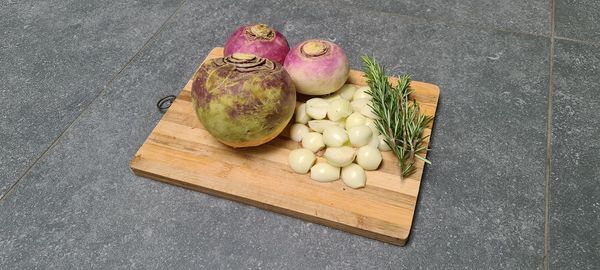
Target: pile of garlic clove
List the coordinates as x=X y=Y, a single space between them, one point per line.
x=342 y=124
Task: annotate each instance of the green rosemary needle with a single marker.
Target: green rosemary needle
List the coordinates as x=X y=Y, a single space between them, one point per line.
x=399 y=119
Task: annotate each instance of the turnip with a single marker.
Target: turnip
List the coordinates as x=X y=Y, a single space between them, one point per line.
x=252 y=108
x=260 y=40
x=317 y=67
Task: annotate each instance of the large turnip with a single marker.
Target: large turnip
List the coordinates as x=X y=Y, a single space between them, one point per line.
x=243 y=100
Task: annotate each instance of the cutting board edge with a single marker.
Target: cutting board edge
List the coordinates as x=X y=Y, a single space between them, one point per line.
x=398 y=241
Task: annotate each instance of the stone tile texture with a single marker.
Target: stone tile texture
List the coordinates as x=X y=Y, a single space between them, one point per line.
x=481 y=204
x=55 y=57
x=578 y=19
x=575 y=178
x=527 y=16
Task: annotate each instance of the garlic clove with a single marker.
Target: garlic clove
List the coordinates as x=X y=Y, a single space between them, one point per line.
x=368 y=158
x=334 y=136
x=361 y=93
x=300 y=114
x=313 y=141
x=358 y=104
x=355 y=119
x=320 y=125
x=347 y=91
x=371 y=123
x=359 y=135
x=324 y=172
x=374 y=141
x=316 y=108
x=367 y=111
x=301 y=160
x=383 y=146
x=332 y=97
x=354 y=176
x=339 y=156
x=298 y=131
x=339 y=109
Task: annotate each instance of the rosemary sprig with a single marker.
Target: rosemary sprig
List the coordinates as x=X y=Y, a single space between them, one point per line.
x=398 y=118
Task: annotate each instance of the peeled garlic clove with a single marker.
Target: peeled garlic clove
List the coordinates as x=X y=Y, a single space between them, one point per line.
x=355 y=119
x=339 y=109
x=371 y=124
x=358 y=104
x=339 y=156
x=368 y=158
x=301 y=160
x=359 y=135
x=347 y=91
x=367 y=111
x=313 y=141
x=374 y=141
x=383 y=146
x=323 y=172
x=361 y=93
x=316 y=108
x=334 y=136
x=298 y=131
x=332 y=97
x=300 y=114
x=354 y=176
x=320 y=125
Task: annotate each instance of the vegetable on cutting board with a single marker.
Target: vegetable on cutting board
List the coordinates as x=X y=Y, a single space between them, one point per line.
x=317 y=67
x=243 y=100
x=342 y=132
x=398 y=118
x=260 y=40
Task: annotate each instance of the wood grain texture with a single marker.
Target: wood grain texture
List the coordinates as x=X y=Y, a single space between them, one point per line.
x=180 y=151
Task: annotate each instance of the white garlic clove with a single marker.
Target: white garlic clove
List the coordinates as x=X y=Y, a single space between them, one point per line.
x=332 y=97
x=347 y=91
x=316 y=108
x=324 y=172
x=339 y=156
x=361 y=93
x=354 y=176
x=313 y=141
x=300 y=114
x=358 y=104
x=374 y=141
x=367 y=111
x=320 y=125
x=298 y=131
x=301 y=160
x=368 y=158
x=339 y=109
x=371 y=123
x=359 y=135
x=355 y=119
x=383 y=146
x=334 y=136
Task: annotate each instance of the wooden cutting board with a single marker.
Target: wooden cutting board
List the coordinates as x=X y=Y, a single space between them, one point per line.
x=180 y=151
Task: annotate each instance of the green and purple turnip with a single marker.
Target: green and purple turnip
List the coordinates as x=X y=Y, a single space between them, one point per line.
x=243 y=100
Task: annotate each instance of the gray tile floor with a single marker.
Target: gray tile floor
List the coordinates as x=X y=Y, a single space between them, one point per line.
x=515 y=182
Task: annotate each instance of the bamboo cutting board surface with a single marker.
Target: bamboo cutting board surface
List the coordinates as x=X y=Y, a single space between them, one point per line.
x=180 y=151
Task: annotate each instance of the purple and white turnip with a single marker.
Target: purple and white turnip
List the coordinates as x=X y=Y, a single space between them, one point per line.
x=317 y=67
x=260 y=40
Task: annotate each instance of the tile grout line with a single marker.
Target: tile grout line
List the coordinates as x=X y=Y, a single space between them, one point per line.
x=548 y=161
x=107 y=88
x=592 y=43
x=475 y=26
